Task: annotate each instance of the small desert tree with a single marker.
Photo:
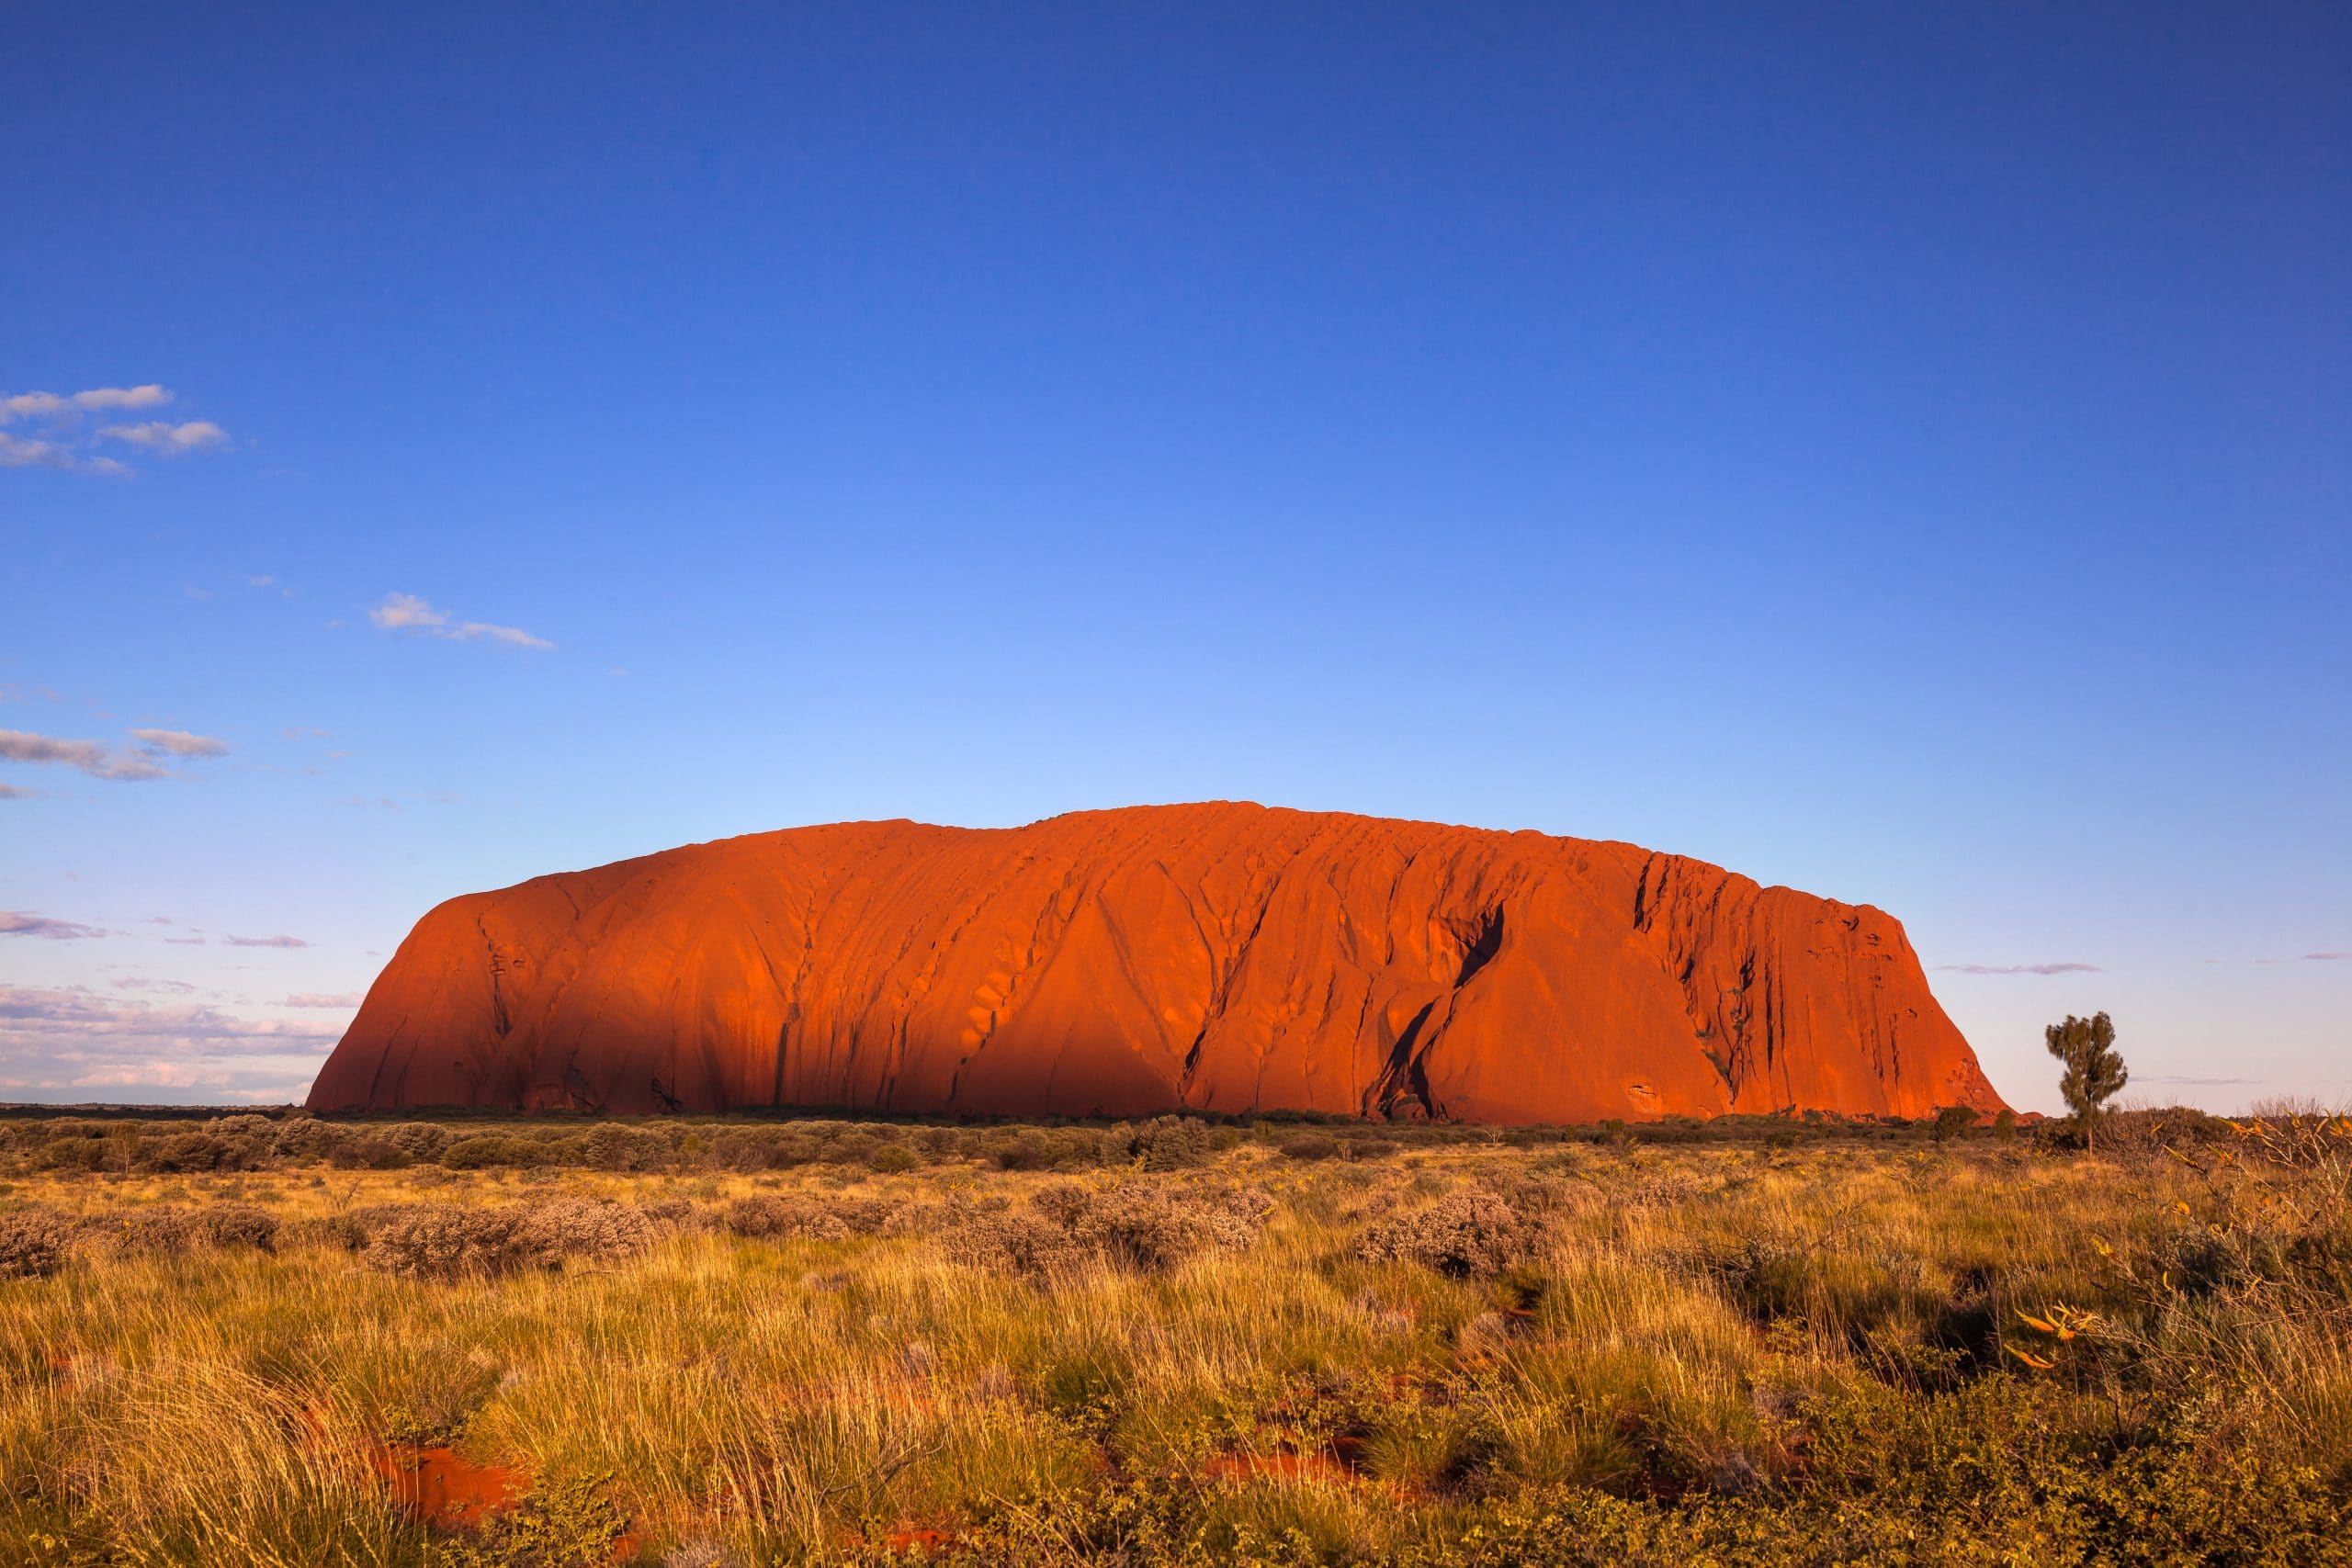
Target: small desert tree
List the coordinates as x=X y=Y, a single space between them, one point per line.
x=2095 y=1071
x=1951 y=1122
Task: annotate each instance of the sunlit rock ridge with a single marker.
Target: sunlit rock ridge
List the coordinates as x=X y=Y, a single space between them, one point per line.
x=1218 y=957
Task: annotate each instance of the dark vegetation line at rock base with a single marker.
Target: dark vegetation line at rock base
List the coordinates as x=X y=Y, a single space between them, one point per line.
x=127 y=1139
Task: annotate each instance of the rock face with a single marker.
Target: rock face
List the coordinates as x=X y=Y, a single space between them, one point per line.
x=1221 y=957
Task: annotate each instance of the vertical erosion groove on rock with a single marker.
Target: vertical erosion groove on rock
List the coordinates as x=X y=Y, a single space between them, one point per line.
x=1221 y=957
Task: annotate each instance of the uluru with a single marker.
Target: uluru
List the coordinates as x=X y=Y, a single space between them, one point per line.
x=1222 y=957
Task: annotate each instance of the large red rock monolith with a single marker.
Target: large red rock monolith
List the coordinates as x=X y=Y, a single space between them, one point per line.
x=1223 y=958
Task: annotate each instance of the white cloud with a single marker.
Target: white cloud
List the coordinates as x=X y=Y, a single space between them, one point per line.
x=2019 y=968
x=407 y=613
x=28 y=452
x=60 y=1042
x=265 y=941
x=17 y=792
x=180 y=743
x=92 y=757
x=412 y=616
x=59 y=436
x=145 y=1075
x=23 y=923
x=150 y=396
x=100 y=760
x=49 y=406
x=33 y=405
x=514 y=635
x=26 y=1011
x=314 y=999
x=168 y=439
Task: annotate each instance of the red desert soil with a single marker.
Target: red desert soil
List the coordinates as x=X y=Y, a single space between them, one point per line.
x=1222 y=957
x=441 y=1487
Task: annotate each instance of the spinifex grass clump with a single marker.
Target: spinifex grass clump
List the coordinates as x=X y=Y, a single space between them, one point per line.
x=1180 y=1345
x=1479 y=1228
x=443 y=1241
x=169 y=1228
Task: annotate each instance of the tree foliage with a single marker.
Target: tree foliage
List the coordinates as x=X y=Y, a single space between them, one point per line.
x=2095 y=1072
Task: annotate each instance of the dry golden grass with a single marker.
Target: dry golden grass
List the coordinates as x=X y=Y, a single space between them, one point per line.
x=1838 y=1352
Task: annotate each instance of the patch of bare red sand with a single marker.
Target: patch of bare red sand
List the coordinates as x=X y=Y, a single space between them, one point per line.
x=906 y=1538
x=910 y=1538
x=1343 y=1464
x=443 y=1490
x=441 y=1487
x=1238 y=1468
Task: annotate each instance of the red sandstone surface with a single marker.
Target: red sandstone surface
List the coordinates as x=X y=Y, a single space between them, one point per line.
x=1222 y=957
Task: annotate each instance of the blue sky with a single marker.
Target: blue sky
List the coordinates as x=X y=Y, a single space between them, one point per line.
x=1901 y=452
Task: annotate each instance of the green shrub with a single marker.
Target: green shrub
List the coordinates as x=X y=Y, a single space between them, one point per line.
x=1171 y=1143
x=482 y=1153
x=1025 y=1152
x=306 y=1139
x=72 y=1154
x=421 y=1141
x=369 y=1151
